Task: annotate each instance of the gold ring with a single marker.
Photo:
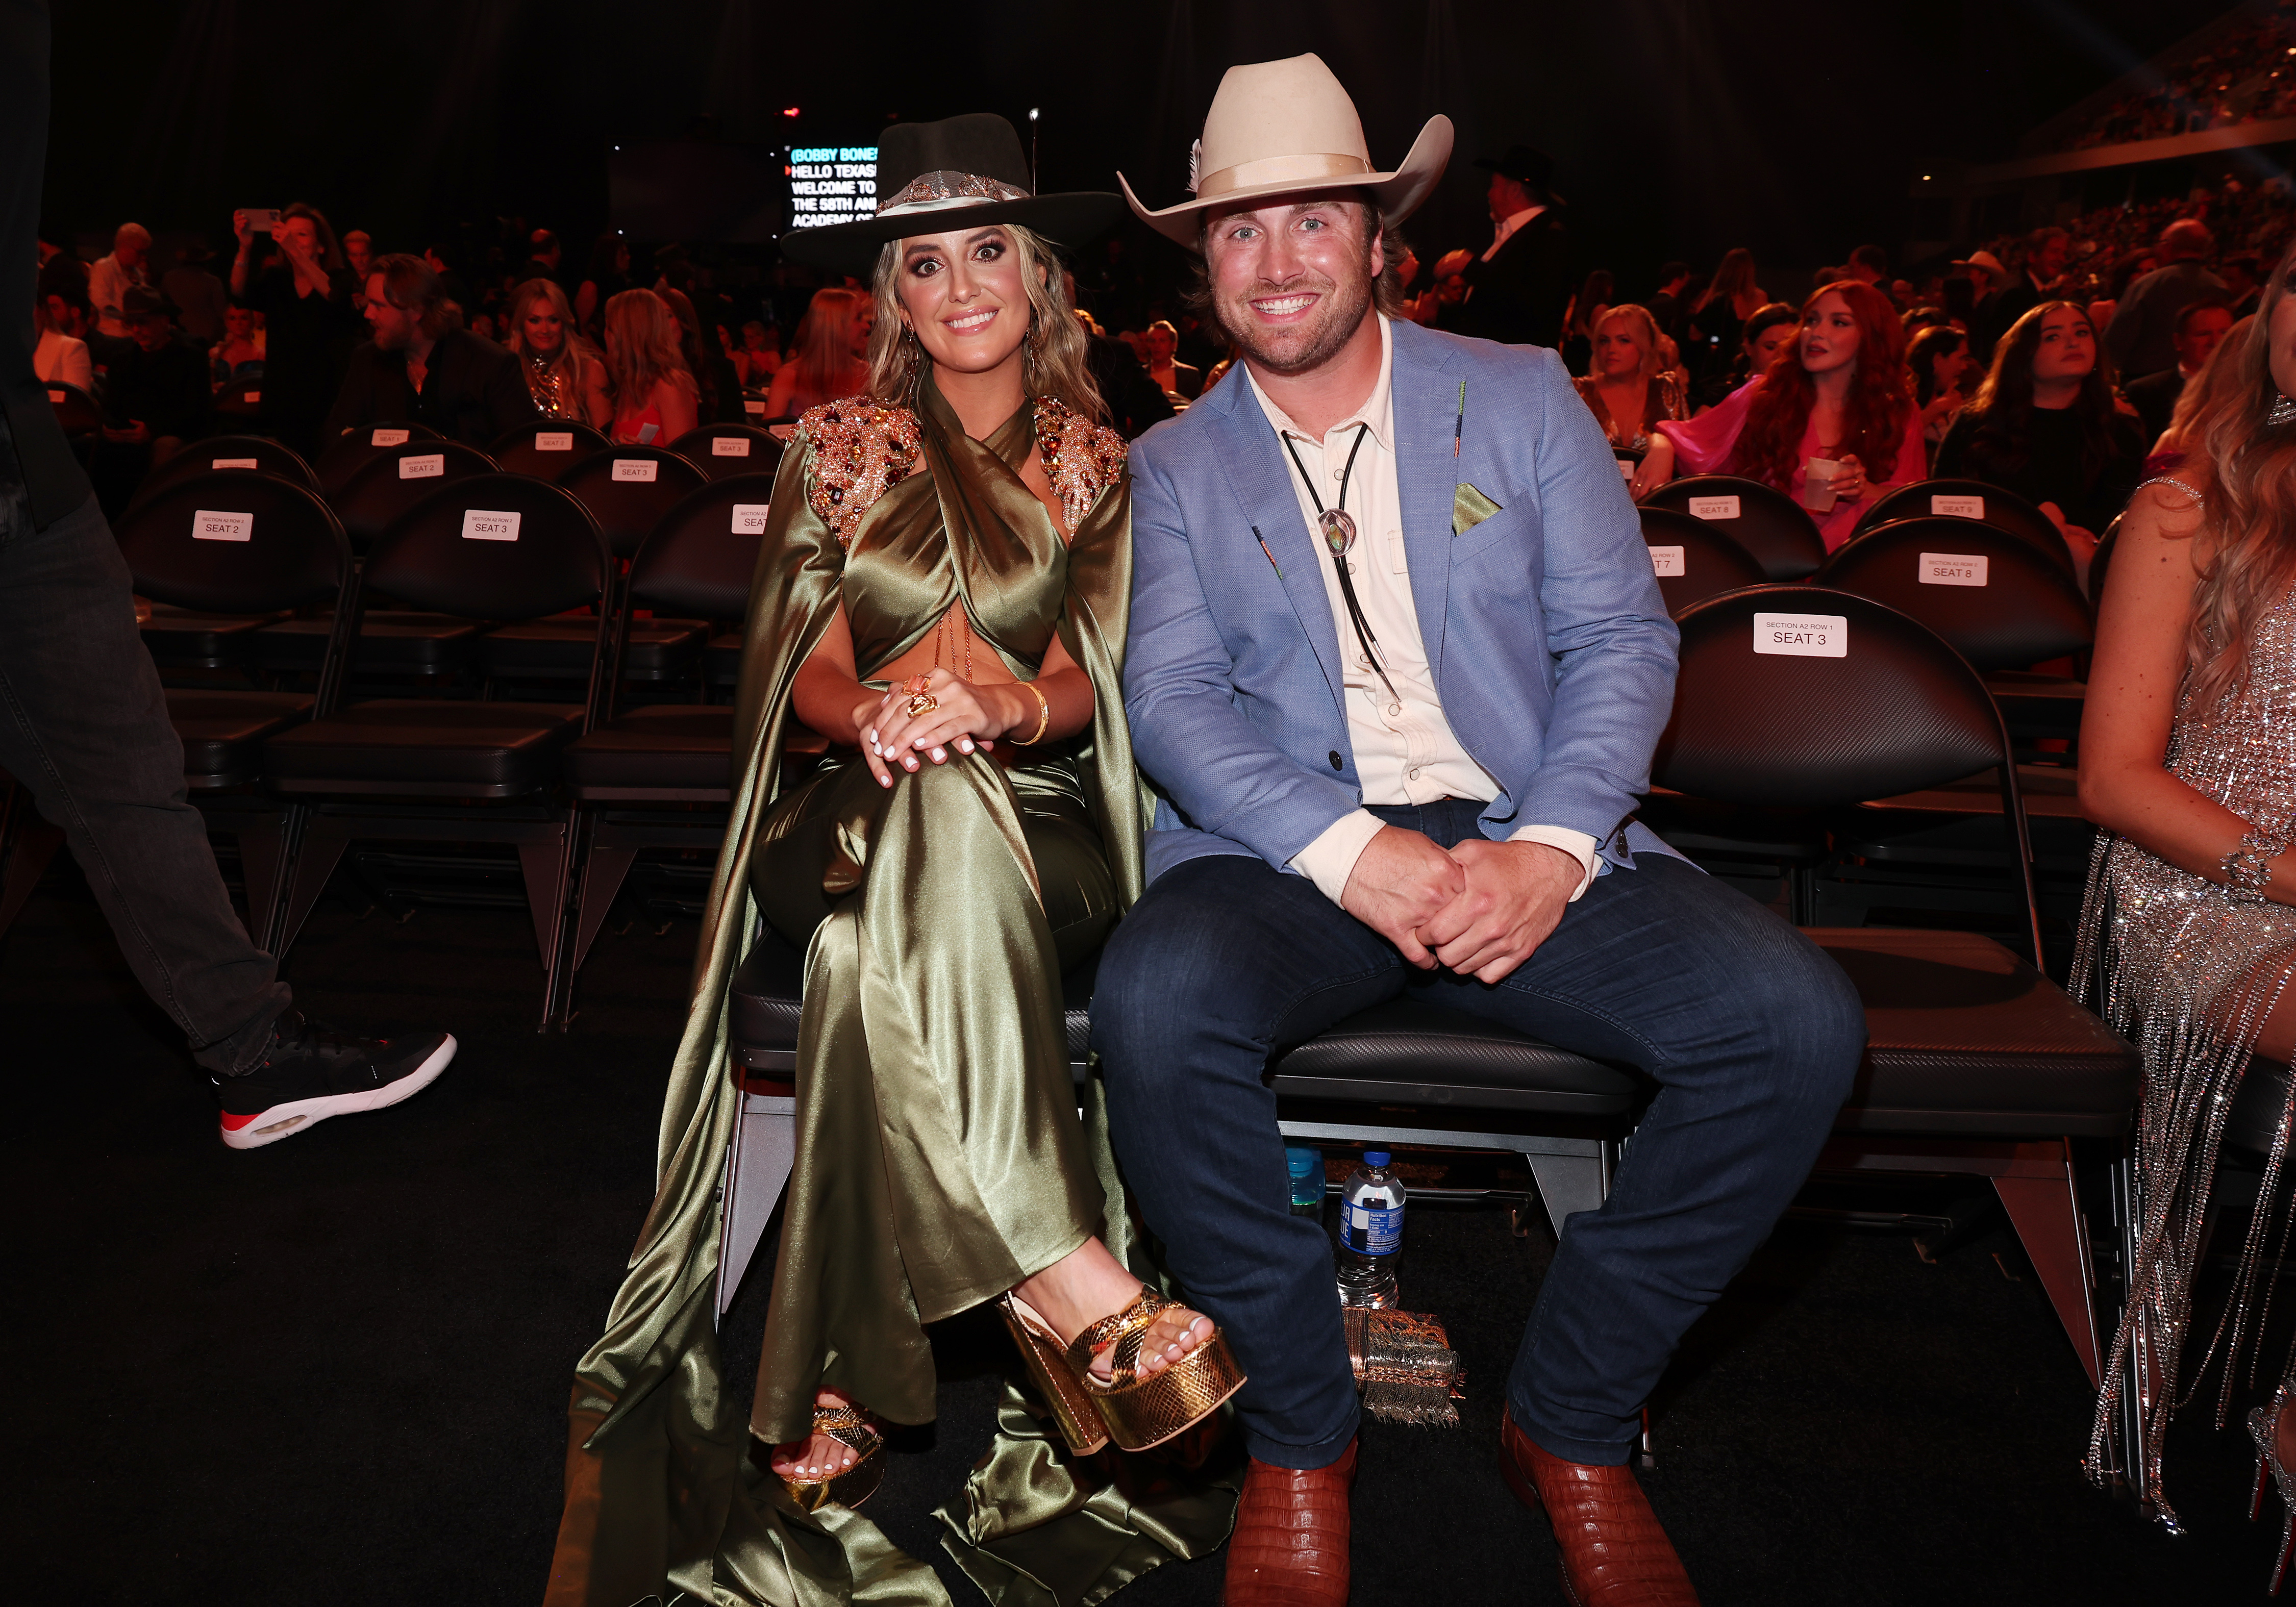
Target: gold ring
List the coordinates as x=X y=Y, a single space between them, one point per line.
x=924 y=702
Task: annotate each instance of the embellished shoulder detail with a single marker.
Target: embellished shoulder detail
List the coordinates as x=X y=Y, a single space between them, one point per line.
x=1081 y=459
x=860 y=447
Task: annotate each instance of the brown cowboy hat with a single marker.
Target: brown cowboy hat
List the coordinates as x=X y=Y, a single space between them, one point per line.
x=1280 y=128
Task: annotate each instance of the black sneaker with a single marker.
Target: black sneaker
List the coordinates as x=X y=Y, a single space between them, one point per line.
x=310 y=1072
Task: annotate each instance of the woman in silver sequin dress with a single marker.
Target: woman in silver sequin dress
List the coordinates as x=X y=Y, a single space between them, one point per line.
x=2188 y=763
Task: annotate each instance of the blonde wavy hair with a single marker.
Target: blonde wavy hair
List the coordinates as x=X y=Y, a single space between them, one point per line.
x=572 y=355
x=2246 y=473
x=641 y=349
x=1653 y=342
x=1058 y=363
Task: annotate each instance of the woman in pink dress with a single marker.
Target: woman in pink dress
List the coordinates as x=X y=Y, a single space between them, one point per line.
x=1840 y=395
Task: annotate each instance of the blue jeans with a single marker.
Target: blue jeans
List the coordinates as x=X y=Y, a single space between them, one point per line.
x=1751 y=1034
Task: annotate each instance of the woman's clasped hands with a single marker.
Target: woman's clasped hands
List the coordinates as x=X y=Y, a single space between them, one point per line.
x=923 y=718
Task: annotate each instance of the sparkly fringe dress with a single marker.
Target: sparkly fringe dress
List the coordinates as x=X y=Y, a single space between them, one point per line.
x=2190 y=976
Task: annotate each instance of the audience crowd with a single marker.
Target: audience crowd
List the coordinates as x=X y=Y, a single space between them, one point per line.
x=2048 y=364
x=2246 y=74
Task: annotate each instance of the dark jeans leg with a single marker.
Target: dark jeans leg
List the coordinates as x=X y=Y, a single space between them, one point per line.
x=1223 y=959
x=1753 y=1036
x=84 y=725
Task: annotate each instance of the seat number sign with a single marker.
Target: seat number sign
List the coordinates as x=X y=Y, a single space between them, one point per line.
x=637 y=469
x=423 y=465
x=1665 y=562
x=729 y=446
x=1958 y=507
x=749 y=518
x=1954 y=569
x=1714 y=507
x=389 y=437
x=1802 y=635
x=234 y=463
x=209 y=526
x=486 y=524
x=553 y=440
x=752 y=405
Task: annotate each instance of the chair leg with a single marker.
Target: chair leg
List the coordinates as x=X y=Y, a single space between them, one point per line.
x=1568 y=1184
x=2046 y=1214
x=265 y=846
x=545 y=863
x=603 y=872
x=314 y=861
x=757 y=1170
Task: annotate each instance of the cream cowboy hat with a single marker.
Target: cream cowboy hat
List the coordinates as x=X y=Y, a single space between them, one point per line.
x=1276 y=128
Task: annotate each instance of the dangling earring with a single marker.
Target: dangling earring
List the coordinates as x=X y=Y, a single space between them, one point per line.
x=1031 y=347
x=913 y=371
x=2283 y=411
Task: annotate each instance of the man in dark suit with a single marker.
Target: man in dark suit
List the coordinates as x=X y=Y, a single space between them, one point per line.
x=2204 y=323
x=1518 y=287
x=2048 y=250
x=87 y=731
x=417 y=367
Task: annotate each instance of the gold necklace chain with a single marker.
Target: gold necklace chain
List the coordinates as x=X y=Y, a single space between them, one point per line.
x=942 y=636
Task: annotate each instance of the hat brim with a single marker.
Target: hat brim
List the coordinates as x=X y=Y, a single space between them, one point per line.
x=1069 y=218
x=1397 y=194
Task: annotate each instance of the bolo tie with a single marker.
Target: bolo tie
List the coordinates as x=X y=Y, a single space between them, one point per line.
x=1338 y=526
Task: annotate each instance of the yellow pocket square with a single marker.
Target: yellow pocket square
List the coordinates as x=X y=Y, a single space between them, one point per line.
x=1469 y=508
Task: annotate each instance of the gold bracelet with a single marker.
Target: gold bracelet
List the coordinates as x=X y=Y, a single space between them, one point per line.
x=1044 y=717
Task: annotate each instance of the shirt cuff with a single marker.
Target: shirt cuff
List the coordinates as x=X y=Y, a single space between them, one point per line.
x=1331 y=858
x=1577 y=844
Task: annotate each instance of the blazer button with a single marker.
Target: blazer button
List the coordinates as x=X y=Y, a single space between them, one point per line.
x=1336 y=758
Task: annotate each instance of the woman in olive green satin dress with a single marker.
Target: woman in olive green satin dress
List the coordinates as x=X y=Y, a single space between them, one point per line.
x=942 y=594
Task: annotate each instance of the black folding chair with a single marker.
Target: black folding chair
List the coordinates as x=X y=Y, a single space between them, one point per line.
x=660 y=776
x=547 y=447
x=1693 y=560
x=76 y=413
x=235 y=544
x=240 y=401
x=1977 y=1064
x=1772 y=526
x=722 y=451
x=1970 y=500
x=497 y=546
x=344 y=456
x=394 y=479
x=627 y=488
x=241 y=453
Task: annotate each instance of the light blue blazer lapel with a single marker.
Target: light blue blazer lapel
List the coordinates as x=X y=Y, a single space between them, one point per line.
x=1256 y=467
x=1425 y=398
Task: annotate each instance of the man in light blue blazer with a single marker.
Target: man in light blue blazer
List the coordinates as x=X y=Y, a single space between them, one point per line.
x=1397 y=666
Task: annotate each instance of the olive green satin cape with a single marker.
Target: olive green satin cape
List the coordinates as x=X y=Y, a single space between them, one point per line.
x=663 y=1498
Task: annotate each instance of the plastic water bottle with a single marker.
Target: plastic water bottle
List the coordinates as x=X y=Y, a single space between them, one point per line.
x=1307 y=1168
x=1370 y=1232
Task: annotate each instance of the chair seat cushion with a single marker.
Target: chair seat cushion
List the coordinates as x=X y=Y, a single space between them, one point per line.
x=677 y=747
x=181 y=637
x=222 y=733
x=767 y=994
x=1409 y=1052
x=1404 y=1051
x=424 y=746
x=658 y=649
x=1966 y=1038
x=391 y=642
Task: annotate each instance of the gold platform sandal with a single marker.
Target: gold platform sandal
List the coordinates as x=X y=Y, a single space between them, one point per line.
x=1136 y=1411
x=857 y=1430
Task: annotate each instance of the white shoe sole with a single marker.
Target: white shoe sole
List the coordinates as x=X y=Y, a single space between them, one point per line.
x=297 y=1116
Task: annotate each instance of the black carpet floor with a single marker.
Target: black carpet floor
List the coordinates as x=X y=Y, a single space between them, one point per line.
x=335 y=1369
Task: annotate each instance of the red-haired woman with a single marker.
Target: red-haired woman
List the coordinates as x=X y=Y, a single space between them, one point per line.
x=2188 y=764
x=1838 y=396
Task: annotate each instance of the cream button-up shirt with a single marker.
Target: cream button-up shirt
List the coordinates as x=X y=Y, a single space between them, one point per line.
x=1506 y=228
x=1405 y=750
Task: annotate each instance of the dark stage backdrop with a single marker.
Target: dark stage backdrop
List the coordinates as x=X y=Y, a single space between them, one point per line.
x=1681 y=127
